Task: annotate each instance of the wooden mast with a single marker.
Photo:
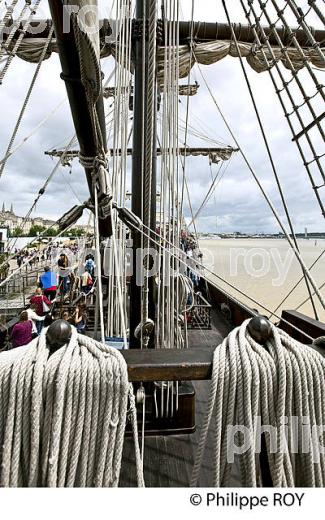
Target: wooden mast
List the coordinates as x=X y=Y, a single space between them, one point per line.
x=144 y=77
x=69 y=59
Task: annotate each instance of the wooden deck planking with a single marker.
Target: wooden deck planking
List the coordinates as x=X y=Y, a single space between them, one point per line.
x=169 y=460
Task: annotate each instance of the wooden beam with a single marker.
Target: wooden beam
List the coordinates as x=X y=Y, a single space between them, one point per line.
x=202 y=32
x=209 y=31
x=188 y=151
x=304 y=131
x=312 y=327
x=151 y=365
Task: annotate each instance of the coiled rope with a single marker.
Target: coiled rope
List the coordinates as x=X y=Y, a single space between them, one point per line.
x=62 y=417
x=279 y=386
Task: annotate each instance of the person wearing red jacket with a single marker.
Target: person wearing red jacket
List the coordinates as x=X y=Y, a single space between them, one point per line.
x=38 y=301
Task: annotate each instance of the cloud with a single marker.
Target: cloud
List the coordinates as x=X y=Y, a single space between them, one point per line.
x=235 y=205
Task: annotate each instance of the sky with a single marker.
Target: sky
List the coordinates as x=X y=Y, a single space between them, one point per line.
x=236 y=204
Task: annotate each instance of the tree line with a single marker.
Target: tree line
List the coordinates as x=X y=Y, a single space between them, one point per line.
x=45 y=232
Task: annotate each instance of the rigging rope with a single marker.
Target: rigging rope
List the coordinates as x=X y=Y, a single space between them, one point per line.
x=99 y=268
x=62 y=417
x=170 y=288
x=218 y=177
x=296 y=285
x=10 y=9
x=319 y=13
x=266 y=197
x=28 y=136
x=300 y=16
x=33 y=10
x=117 y=292
x=41 y=191
x=272 y=388
x=305 y=301
x=269 y=153
x=179 y=254
x=29 y=259
x=187 y=110
x=5 y=46
x=271 y=60
x=23 y=108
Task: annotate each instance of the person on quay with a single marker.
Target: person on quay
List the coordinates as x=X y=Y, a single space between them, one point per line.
x=80 y=319
x=35 y=318
x=22 y=332
x=39 y=301
x=48 y=283
x=63 y=265
x=86 y=282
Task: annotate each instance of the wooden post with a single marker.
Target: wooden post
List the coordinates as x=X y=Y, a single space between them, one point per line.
x=24 y=299
x=144 y=209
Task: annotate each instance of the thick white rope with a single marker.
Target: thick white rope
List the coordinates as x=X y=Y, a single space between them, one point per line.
x=62 y=418
x=278 y=386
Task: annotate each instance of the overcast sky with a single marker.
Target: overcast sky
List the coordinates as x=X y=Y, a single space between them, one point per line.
x=236 y=205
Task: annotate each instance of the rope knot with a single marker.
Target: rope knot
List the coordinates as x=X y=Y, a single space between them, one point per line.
x=100 y=160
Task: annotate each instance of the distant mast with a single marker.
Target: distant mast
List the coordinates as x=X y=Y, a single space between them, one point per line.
x=306 y=233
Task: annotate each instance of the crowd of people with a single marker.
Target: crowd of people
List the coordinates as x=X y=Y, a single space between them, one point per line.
x=193 y=255
x=30 y=256
x=33 y=256
x=61 y=280
x=40 y=314
x=187 y=242
x=50 y=290
x=53 y=286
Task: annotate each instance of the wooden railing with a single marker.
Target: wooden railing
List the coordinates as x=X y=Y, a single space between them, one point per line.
x=199 y=317
x=18 y=285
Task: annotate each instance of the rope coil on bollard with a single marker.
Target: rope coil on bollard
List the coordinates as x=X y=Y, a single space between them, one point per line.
x=63 y=416
x=275 y=389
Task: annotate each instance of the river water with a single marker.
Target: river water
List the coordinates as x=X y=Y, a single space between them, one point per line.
x=266 y=270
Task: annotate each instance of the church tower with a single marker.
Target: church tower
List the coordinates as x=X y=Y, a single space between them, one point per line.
x=3 y=207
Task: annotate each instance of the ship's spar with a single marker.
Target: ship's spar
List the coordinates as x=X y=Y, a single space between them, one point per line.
x=143 y=167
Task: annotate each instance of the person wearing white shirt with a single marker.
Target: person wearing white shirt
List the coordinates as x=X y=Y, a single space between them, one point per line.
x=34 y=318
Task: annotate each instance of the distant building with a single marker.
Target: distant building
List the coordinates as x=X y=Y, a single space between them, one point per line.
x=9 y=220
x=89 y=230
x=4 y=235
